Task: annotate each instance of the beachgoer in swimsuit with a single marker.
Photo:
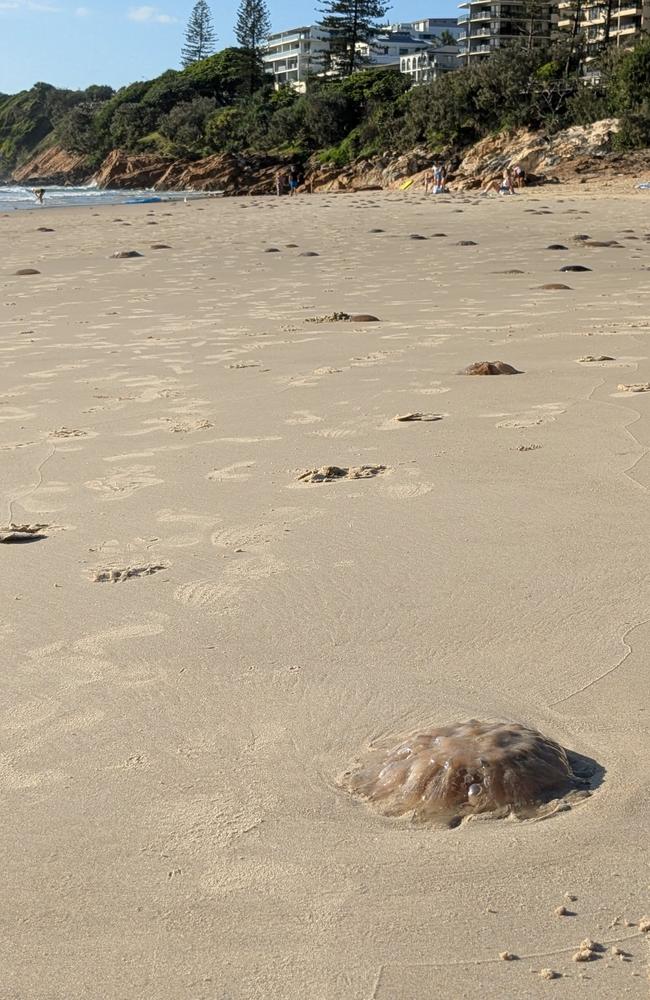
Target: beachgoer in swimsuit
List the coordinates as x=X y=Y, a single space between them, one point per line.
x=293 y=181
x=507 y=186
x=493 y=185
x=439 y=178
x=39 y=194
x=279 y=182
x=499 y=185
x=518 y=176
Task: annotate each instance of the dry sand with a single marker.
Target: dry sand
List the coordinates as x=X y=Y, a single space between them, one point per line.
x=202 y=642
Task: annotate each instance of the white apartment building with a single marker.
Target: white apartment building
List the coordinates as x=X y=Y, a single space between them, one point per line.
x=423 y=67
x=488 y=26
x=295 y=54
x=432 y=27
x=628 y=21
x=387 y=49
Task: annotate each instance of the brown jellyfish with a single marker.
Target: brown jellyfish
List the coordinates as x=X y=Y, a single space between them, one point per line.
x=448 y=773
x=490 y=368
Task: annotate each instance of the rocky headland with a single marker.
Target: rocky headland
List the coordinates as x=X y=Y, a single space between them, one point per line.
x=580 y=153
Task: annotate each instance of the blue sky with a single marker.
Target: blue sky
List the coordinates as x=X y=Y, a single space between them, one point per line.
x=73 y=44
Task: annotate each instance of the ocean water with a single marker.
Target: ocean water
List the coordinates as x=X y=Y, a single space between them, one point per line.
x=14 y=197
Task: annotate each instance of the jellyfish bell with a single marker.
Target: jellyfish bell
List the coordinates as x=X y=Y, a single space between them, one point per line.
x=466 y=769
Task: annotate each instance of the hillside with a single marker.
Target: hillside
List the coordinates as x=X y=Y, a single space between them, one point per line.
x=28 y=120
x=223 y=105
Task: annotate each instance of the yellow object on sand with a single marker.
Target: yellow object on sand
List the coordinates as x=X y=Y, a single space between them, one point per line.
x=406 y=184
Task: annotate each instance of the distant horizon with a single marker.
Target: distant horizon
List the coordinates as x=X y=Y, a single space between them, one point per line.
x=73 y=46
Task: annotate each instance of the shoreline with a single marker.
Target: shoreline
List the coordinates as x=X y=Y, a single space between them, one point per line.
x=557 y=192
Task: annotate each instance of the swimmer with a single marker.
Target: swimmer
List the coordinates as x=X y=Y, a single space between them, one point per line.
x=39 y=194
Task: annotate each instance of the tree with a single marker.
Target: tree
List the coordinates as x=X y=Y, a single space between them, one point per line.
x=350 y=22
x=252 y=28
x=199 y=37
x=76 y=132
x=446 y=38
x=185 y=125
x=253 y=25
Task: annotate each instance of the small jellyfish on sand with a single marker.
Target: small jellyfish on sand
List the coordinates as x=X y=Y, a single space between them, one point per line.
x=490 y=368
x=449 y=773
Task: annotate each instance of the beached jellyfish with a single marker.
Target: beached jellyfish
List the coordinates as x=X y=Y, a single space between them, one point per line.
x=490 y=368
x=452 y=772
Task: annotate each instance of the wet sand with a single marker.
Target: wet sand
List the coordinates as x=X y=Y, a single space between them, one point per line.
x=206 y=632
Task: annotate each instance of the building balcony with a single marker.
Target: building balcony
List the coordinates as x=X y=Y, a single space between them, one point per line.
x=482 y=33
x=480 y=15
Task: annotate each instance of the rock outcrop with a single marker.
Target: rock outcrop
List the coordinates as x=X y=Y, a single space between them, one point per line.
x=226 y=172
x=539 y=154
x=379 y=173
x=52 y=166
x=124 y=170
x=574 y=153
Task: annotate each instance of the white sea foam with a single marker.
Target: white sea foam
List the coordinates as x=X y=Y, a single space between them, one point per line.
x=14 y=196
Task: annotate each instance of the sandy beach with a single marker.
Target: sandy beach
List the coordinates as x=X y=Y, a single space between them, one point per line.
x=201 y=641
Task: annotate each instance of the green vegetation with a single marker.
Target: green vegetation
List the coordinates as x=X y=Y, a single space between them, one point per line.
x=31 y=117
x=223 y=103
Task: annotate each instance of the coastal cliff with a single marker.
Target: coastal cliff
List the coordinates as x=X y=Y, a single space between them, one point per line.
x=52 y=167
x=577 y=152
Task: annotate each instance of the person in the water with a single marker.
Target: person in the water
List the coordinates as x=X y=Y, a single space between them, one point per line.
x=39 y=194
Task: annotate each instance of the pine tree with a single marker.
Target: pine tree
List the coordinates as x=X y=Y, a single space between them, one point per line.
x=253 y=25
x=252 y=28
x=350 y=22
x=199 y=36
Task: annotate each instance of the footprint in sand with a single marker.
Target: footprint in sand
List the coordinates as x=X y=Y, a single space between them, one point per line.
x=127 y=573
x=303 y=417
x=125 y=482
x=334 y=473
x=633 y=387
x=187 y=426
x=545 y=413
x=406 y=490
x=66 y=432
x=349 y=430
x=231 y=473
x=74 y=663
x=238 y=581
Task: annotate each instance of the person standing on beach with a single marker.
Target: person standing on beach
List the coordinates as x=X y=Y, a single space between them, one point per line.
x=279 y=182
x=293 y=181
x=436 y=177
